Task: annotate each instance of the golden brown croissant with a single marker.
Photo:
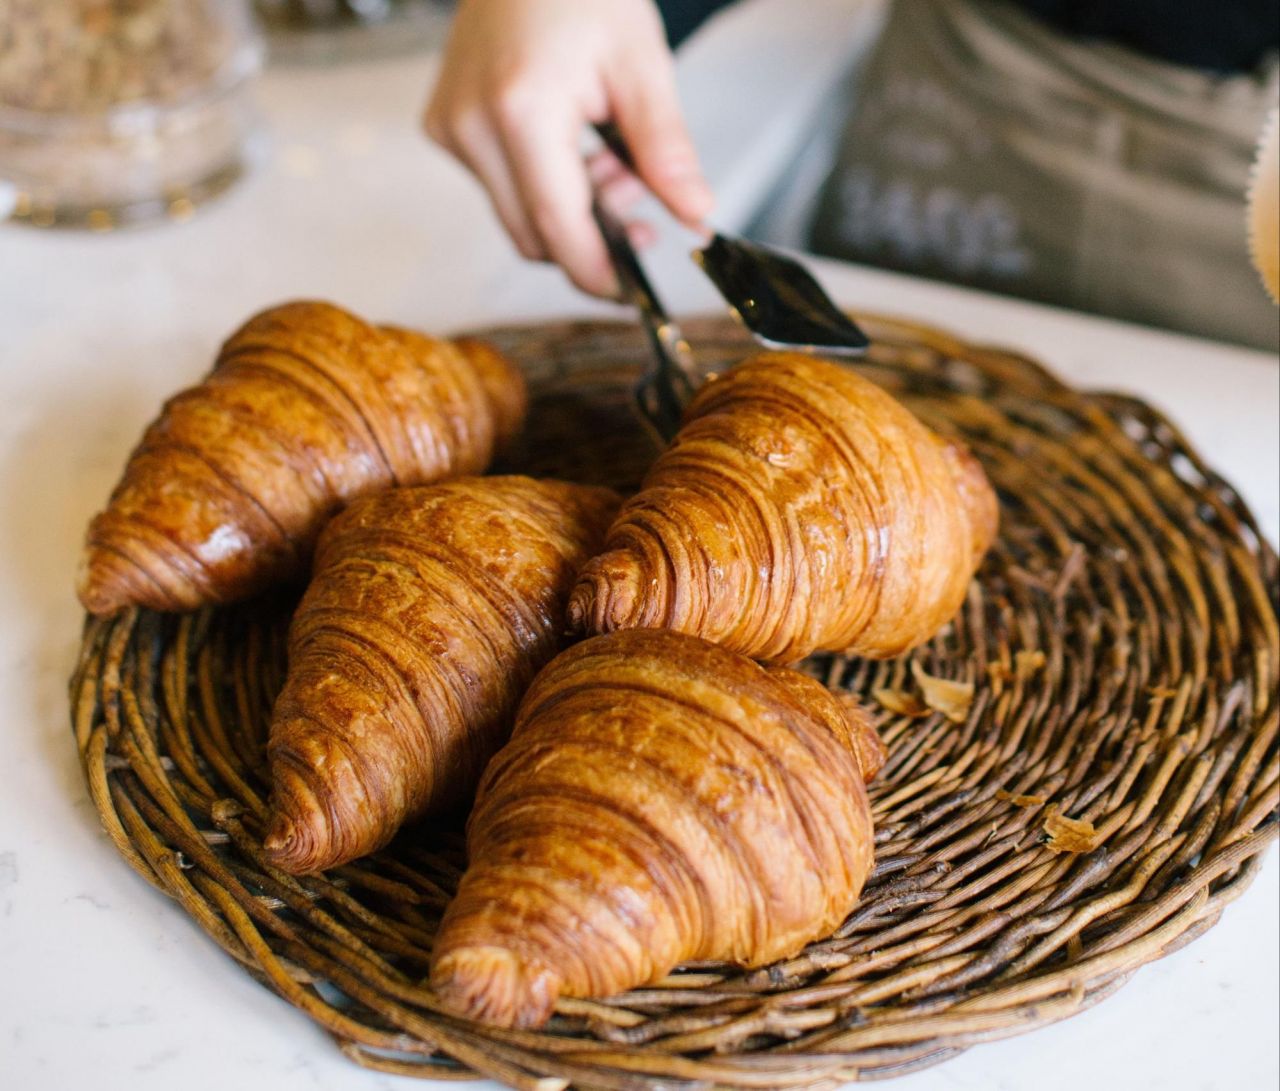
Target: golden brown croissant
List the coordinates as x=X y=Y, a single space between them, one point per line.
x=429 y=611
x=306 y=408
x=800 y=508
x=661 y=800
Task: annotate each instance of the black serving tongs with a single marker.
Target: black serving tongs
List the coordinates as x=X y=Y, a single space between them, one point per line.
x=776 y=298
x=669 y=382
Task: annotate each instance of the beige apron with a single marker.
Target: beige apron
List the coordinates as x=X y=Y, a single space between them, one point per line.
x=988 y=149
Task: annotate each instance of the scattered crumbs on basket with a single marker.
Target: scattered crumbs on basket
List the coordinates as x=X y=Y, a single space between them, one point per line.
x=998 y=673
x=952 y=699
x=999 y=670
x=1069 y=834
x=901 y=702
x=1027 y=663
x=1020 y=800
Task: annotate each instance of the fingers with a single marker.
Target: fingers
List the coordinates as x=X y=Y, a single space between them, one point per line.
x=538 y=185
x=521 y=79
x=642 y=234
x=478 y=148
x=616 y=187
x=604 y=167
x=543 y=152
x=647 y=111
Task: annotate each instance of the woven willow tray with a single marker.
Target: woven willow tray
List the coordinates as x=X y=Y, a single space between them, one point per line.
x=1122 y=643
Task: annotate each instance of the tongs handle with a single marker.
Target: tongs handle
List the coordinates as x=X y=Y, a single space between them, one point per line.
x=626 y=263
x=666 y=388
x=635 y=284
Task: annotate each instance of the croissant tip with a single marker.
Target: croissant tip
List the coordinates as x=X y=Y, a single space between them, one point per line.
x=279 y=835
x=579 y=608
x=868 y=748
x=98 y=602
x=608 y=595
x=295 y=840
x=94 y=587
x=495 y=986
x=283 y=847
x=503 y=383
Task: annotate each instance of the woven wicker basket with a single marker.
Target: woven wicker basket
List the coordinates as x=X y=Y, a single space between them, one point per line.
x=1112 y=786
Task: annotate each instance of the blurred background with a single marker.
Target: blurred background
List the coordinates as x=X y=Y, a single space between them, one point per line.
x=1091 y=155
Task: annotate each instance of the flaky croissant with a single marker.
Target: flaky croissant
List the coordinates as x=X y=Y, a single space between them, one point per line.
x=429 y=611
x=306 y=408
x=800 y=509
x=661 y=800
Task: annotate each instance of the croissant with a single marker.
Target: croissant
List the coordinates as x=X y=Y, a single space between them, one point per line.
x=306 y=408
x=800 y=509
x=429 y=611
x=661 y=800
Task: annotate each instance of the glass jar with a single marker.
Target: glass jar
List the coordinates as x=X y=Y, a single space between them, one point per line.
x=117 y=111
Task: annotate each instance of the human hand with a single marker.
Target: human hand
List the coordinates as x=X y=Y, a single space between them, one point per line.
x=521 y=78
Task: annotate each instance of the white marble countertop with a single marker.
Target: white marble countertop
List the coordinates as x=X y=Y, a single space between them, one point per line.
x=106 y=984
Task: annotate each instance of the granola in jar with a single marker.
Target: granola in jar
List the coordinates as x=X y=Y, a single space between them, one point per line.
x=121 y=109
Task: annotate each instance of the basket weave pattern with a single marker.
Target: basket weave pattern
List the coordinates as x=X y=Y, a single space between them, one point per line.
x=1122 y=644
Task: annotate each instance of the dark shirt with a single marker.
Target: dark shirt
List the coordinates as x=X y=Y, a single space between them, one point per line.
x=1222 y=36
x=683 y=17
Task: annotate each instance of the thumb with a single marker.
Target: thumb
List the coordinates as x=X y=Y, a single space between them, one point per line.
x=646 y=109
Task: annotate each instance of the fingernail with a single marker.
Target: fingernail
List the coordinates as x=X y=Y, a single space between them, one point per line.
x=641 y=234
x=686 y=174
x=695 y=194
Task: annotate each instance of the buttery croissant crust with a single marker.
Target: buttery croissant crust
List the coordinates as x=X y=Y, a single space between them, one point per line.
x=307 y=407
x=661 y=800
x=800 y=509
x=429 y=611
